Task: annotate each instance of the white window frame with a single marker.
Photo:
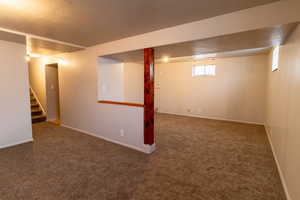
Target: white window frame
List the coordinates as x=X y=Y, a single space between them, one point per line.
x=203 y=70
x=275 y=58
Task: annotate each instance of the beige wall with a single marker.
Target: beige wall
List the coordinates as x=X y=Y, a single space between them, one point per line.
x=15 y=118
x=37 y=79
x=237 y=92
x=283 y=113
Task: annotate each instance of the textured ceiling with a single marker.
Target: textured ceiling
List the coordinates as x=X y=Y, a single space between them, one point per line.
x=38 y=46
x=89 y=22
x=224 y=54
x=255 y=39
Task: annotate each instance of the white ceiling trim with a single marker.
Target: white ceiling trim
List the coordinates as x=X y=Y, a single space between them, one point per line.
x=28 y=35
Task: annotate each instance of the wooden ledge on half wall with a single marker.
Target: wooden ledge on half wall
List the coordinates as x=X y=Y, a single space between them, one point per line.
x=122 y=103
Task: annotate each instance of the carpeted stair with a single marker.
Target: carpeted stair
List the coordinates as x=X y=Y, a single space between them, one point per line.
x=36 y=111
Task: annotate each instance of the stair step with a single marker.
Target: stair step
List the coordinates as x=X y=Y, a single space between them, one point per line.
x=38 y=118
x=34 y=105
x=36 y=111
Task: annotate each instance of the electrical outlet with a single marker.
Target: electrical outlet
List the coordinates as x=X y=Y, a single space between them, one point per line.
x=122 y=133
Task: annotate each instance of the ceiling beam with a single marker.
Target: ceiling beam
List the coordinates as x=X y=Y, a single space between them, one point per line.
x=28 y=35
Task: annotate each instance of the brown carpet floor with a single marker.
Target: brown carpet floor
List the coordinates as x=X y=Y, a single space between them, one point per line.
x=195 y=159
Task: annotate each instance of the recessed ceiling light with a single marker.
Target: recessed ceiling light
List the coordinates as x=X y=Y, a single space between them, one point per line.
x=34 y=55
x=62 y=62
x=9 y=2
x=27 y=58
x=46 y=60
x=166 y=59
x=198 y=57
x=203 y=56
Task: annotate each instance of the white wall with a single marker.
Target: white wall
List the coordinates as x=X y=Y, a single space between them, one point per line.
x=37 y=79
x=283 y=113
x=110 y=80
x=15 y=118
x=237 y=92
x=134 y=82
x=80 y=110
x=120 y=82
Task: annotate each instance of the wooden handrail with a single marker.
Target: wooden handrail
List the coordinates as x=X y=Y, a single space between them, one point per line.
x=122 y=103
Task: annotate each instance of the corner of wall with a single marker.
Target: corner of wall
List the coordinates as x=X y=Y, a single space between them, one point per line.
x=148 y=149
x=269 y=135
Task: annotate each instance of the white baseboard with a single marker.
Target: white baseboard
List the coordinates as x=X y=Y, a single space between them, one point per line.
x=16 y=143
x=278 y=165
x=148 y=148
x=214 y=118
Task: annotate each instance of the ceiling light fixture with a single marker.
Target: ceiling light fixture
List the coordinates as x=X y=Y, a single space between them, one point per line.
x=34 y=55
x=46 y=60
x=27 y=58
x=62 y=62
x=166 y=59
x=10 y=2
x=204 y=56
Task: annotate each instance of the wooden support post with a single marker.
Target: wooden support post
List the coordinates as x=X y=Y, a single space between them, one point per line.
x=149 y=96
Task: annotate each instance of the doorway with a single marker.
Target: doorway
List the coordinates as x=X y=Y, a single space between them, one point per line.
x=52 y=93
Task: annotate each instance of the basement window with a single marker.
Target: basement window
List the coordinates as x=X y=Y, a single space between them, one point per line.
x=203 y=70
x=275 y=59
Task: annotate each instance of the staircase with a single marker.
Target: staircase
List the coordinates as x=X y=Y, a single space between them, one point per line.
x=37 y=114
